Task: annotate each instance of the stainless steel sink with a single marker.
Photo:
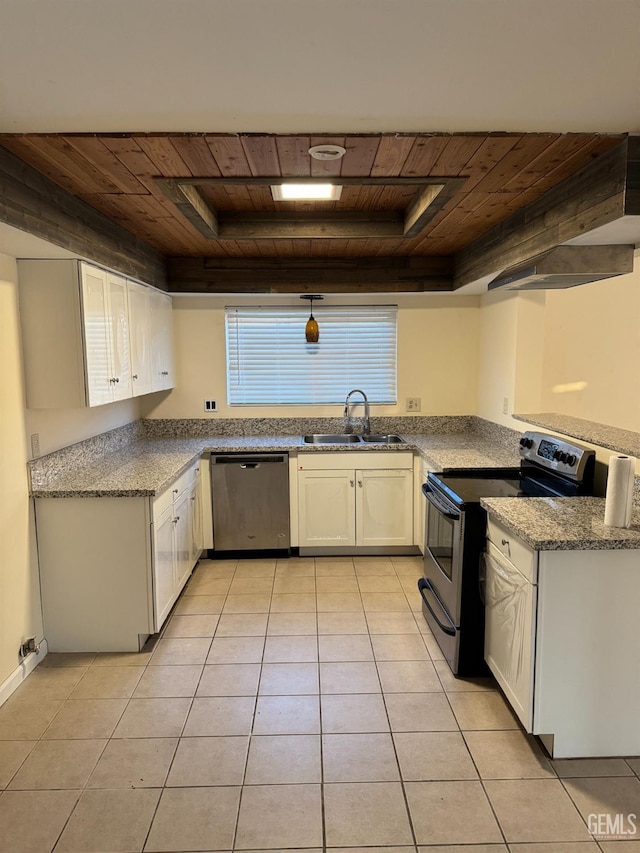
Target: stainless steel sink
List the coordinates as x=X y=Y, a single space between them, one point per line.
x=383 y=439
x=331 y=438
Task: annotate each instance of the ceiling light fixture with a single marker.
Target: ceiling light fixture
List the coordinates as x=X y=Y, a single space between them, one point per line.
x=311 y=330
x=306 y=192
x=327 y=152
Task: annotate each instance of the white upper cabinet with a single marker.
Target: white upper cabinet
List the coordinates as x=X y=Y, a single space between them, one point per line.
x=162 y=342
x=139 y=300
x=118 y=323
x=90 y=336
x=105 y=321
x=96 y=333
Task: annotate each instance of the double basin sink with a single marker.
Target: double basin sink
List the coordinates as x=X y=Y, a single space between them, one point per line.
x=349 y=438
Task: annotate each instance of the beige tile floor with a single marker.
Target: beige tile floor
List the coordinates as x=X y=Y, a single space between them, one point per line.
x=295 y=704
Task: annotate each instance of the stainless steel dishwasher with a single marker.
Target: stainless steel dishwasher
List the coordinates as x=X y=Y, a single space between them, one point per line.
x=250 y=496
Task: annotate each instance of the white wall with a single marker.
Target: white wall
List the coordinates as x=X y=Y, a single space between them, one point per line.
x=575 y=352
x=497 y=357
x=591 y=366
x=437 y=356
x=20 y=615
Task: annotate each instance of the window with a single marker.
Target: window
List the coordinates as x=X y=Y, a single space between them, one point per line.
x=269 y=361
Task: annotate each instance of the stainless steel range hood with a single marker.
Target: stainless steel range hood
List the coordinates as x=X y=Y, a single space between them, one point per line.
x=566 y=266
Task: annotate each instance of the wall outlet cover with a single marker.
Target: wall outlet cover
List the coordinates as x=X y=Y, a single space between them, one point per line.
x=35 y=445
x=413 y=404
x=210 y=406
x=505 y=406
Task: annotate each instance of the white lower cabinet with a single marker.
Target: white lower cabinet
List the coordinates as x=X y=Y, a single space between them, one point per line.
x=327 y=514
x=351 y=500
x=384 y=507
x=112 y=568
x=561 y=639
x=164 y=571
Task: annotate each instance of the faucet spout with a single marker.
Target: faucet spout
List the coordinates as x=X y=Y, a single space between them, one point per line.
x=366 y=429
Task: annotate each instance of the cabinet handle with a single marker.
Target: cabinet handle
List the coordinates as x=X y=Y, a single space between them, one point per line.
x=176 y=519
x=351 y=483
x=193 y=499
x=111 y=381
x=135 y=376
x=505 y=541
x=175 y=491
x=360 y=483
x=117 y=379
x=164 y=373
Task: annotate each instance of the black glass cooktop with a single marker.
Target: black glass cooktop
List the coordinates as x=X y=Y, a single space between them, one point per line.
x=465 y=490
x=468 y=486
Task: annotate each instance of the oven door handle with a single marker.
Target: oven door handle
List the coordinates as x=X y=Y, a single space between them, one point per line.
x=440 y=505
x=426 y=586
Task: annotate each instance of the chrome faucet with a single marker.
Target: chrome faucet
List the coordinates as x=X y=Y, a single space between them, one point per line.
x=366 y=428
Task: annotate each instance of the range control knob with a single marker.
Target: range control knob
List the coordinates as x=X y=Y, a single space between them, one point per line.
x=526 y=442
x=572 y=460
x=556 y=455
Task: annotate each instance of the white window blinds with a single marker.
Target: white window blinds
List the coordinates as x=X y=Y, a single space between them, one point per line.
x=269 y=361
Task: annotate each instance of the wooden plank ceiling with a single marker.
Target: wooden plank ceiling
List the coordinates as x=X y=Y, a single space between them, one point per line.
x=116 y=174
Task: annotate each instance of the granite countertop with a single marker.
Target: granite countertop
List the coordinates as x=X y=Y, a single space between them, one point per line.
x=147 y=467
x=563 y=524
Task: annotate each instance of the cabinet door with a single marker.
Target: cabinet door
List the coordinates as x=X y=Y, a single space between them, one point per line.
x=384 y=507
x=195 y=498
x=161 y=342
x=326 y=501
x=97 y=335
x=139 y=338
x=182 y=510
x=118 y=324
x=163 y=567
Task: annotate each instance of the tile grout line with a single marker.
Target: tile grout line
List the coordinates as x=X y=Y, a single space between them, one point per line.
x=395 y=752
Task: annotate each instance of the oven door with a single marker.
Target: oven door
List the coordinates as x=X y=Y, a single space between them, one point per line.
x=444 y=532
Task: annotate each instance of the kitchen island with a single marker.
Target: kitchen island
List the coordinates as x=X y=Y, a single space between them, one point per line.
x=562 y=594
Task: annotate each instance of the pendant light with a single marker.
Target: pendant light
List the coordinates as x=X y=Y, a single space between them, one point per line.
x=311 y=331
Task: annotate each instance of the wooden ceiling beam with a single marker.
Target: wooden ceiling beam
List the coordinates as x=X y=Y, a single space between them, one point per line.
x=336 y=225
x=297 y=275
x=420 y=211
x=331 y=227
x=594 y=196
x=31 y=202
x=192 y=206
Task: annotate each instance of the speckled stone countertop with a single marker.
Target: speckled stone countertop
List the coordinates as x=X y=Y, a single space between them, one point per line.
x=563 y=524
x=463 y=450
x=603 y=435
x=146 y=467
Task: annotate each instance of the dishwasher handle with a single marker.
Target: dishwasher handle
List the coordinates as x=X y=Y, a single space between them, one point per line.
x=248 y=461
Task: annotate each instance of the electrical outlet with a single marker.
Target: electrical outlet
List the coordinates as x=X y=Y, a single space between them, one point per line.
x=413 y=404
x=35 y=445
x=210 y=406
x=505 y=406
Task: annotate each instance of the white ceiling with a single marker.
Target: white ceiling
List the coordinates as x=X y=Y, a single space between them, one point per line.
x=319 y=65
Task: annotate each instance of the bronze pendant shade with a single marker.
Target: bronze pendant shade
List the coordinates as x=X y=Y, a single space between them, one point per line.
x=311 y=331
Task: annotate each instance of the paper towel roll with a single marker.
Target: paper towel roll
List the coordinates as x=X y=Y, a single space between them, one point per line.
x=619 y=498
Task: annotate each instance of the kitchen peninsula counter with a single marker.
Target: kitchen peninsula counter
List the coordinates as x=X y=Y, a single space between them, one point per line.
x=563 y=524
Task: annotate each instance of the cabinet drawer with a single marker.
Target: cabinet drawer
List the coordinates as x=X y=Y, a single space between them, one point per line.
x=523 y=557
x=348 y=460
x=186 y=479
x=161 y=503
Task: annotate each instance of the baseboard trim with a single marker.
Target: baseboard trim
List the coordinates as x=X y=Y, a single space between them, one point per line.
x=13 y=681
